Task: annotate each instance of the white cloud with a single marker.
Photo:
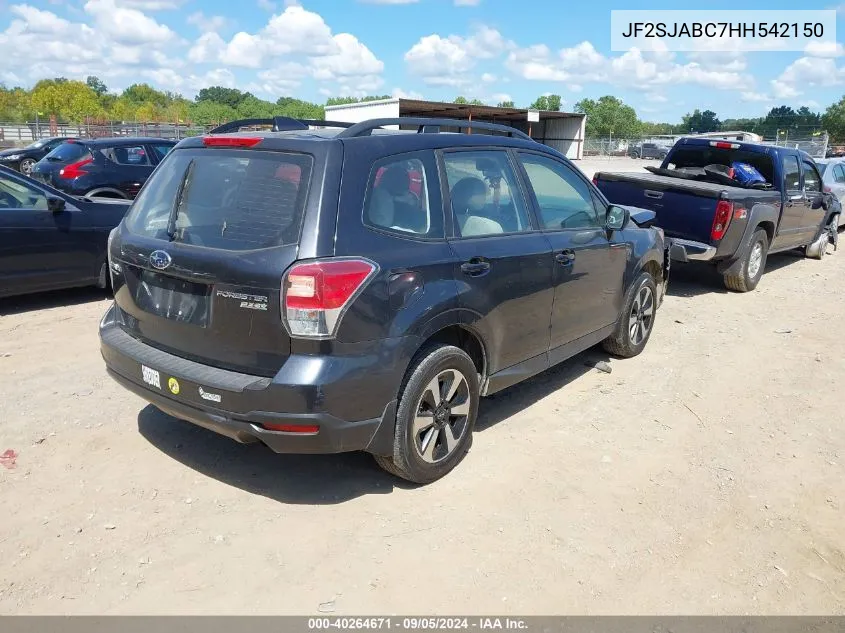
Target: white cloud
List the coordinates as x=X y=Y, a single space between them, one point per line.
x=352 y=58
x=488 y=78
x=207 y=23
x=448 y=60
x=150 y=5
x=398 y=93
x=656 y=97
x=807 y=72
x=824 y=49
x=207 y=48
x=634 y=68
x=127 y=26
x=501 y=97
x=575 y=88
x=755 y=97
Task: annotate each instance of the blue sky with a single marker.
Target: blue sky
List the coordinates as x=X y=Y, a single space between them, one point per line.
x=436 y=49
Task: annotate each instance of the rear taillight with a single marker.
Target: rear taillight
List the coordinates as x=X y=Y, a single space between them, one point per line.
x=303 y=429
x=74 y=170
x=316 y=294
x=231 y=141
x=827 y=189
x=724 y=211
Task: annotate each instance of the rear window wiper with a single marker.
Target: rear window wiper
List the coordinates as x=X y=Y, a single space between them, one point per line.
x=179 y=199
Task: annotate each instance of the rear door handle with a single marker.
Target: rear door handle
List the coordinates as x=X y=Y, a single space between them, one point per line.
x=565 y=258
x=475 y=267
x=655 y=195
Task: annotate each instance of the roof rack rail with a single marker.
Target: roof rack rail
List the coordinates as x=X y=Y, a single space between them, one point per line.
x=430 y=126
x=279 y=123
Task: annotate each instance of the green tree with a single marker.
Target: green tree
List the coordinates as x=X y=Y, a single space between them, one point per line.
x=15 y=105
x=549 y=103
x=144 y=93
x=608 y=116
x=96 y=85
x=700 y=122
x=231 y=97
x=212 y=113
x=332 y=101
x=254 y=108
x=298 y=109
x=833 y=121
x=122 y=109
x=505 y=104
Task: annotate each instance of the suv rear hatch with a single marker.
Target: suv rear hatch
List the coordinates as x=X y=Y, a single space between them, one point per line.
x=202 y=252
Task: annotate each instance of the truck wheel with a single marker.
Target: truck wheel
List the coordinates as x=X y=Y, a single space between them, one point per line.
x=752 y=264
x=637 y=320
x=438 y=405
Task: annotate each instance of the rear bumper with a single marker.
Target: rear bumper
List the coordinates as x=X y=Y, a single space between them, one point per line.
x=334 y=436
x=688 y=250
x=327 y=391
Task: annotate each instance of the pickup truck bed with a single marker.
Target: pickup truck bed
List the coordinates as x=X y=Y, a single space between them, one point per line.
x=686 y=209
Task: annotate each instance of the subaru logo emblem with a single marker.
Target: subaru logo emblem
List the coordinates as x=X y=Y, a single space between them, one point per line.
x=160 y=260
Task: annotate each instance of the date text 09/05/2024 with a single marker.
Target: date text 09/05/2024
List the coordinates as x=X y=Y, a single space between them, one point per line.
x=416 y=623
x=695 y=30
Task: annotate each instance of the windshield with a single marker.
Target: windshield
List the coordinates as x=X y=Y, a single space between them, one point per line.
x=701 y=156
x=67 y=152
x=35 y=145
x=235 y=200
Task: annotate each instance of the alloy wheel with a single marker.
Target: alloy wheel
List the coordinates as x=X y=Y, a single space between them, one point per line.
x=642 y=315
x=441 y=416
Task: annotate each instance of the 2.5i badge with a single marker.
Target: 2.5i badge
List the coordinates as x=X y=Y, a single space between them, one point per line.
x=248 y=301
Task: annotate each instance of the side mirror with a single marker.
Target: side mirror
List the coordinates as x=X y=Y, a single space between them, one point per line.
x=55 y=205
x=617 y=218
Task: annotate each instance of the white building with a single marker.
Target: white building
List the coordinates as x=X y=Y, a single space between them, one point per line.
x=563 y=131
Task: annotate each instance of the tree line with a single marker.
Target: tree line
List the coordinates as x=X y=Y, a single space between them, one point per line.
x=91 y=101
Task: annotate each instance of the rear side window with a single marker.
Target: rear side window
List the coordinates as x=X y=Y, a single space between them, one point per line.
x=67 y=152
x=791 y=173
x=162 y=150
x=397 y=198
x=134 y=155
x=839 y=173
x=812 y=180
x=227 y=199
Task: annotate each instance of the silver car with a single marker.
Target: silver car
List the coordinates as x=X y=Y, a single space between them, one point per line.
x=833 y=176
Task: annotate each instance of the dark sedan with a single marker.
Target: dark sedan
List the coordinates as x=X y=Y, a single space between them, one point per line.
x=23 y=159
x=103 y=168
x=50 y=240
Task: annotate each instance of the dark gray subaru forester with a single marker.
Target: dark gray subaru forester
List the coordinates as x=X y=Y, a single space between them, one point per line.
x=358 y=289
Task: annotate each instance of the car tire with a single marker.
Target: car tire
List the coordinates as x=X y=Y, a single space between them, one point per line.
x=425 y=451
x=636 y=322
x=26 y=166
x=752 y=265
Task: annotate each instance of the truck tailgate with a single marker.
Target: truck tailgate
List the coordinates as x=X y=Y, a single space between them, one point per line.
x=684 y=208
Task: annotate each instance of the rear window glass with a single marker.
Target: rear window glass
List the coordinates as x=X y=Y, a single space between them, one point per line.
x=68 y=152
x=700 y=156
x=233 y=200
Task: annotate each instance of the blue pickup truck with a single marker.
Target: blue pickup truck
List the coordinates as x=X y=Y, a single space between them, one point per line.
x=711 y=216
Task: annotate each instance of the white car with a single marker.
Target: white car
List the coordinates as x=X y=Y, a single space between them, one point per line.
x=833 y=176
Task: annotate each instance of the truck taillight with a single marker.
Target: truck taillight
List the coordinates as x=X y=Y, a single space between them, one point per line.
x=316 y=294
x=724 y=211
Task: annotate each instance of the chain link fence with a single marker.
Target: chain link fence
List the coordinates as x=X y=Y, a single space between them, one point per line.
x=651 y=146
x=17 y=134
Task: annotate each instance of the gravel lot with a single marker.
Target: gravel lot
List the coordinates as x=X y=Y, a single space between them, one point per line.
x=704 y=476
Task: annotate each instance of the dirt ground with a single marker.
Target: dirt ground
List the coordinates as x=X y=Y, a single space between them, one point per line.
x=704 y=476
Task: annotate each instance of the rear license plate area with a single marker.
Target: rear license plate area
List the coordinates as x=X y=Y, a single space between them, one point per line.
x=171 y=298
